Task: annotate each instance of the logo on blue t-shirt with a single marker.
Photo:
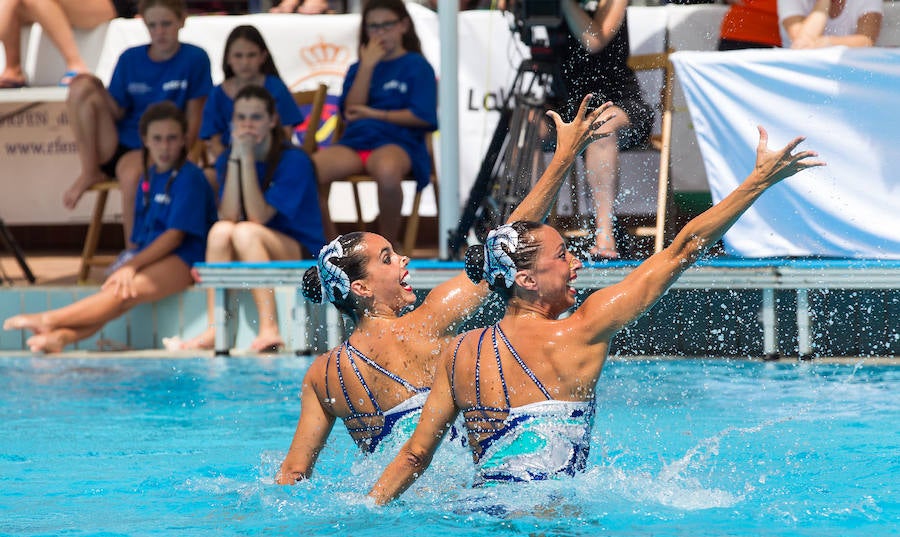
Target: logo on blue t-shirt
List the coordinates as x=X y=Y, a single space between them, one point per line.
x=175 y=85
x=138 y=88
x=395 y=84
x=162 y=198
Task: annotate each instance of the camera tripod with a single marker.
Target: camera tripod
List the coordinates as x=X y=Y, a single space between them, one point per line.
x=7 y=240
x=508 y=169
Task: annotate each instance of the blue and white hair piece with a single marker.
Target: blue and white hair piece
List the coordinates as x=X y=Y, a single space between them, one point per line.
x=334 y=279
x=496 y=261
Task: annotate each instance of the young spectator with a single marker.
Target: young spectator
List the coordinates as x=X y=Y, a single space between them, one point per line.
x=173 y=215
x=268 y=208
x=389 y=103
x=246 y=62
x=826 y=23
x=57 y=18
x=593 y=58
x=105 y=121
x=750 y=24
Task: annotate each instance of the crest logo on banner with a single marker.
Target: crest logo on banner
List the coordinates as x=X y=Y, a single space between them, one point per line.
x=327 y=62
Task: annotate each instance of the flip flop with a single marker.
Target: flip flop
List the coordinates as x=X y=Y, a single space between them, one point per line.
x=67 y=78
x=9 y=83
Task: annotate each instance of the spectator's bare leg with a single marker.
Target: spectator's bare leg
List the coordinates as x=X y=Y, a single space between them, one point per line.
x=219 y=249
x=255 y=242
x=389 y=164
x=333 y=164
x=92 y=117
x=128 y=172
x=11 y=28
x=602 y=171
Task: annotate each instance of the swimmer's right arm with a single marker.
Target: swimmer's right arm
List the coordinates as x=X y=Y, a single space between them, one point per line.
x=446 y=306
x=415 y=455
x=313 y=429
x=571 y=140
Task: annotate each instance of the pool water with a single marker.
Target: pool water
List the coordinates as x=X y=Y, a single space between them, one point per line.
x=680 y=448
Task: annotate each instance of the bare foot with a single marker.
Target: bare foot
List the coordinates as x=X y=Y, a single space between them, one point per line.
x=205 y=341
x=287 y=6
x=598 y=253
x=50 y=342
x=26 y=321
x=79 y=187
x=267 y=342
x=313 y=7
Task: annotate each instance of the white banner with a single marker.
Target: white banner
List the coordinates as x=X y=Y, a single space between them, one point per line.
x=39 y=152
x=845 y=102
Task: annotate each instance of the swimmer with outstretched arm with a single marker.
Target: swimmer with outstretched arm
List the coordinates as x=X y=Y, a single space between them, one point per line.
x=377 y=380
x=535 y=373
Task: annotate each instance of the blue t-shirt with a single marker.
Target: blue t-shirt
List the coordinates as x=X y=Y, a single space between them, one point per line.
x=219 y=109
x=176 y=199
x=293 y=194
x=405 y=82
x=137 y=82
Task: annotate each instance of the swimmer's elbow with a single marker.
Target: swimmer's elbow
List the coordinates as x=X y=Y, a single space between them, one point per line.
x=414 y=460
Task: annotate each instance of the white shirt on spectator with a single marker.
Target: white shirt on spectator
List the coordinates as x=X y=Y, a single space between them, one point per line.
x=843 y=24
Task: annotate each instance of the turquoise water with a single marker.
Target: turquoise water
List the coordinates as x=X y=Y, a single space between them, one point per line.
x=680 y=448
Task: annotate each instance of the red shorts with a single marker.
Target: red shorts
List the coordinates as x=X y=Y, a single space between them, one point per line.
x=364 y=155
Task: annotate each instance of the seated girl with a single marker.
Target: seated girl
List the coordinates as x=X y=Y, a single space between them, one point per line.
x=246 y=62
x=173 y=215
x=389 y=103
x=105 y=121
x=268 y=208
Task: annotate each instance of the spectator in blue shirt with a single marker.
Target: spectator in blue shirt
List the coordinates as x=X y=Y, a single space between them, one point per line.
x=105 y=121
x=173 y=216
x=389 y=104
x=268 y=208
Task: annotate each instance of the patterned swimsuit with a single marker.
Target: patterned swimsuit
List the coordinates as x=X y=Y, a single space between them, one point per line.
x=370 y=429
x=536 y=441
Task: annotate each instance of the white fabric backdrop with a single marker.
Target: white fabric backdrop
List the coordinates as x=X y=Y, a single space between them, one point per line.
x=845 y=101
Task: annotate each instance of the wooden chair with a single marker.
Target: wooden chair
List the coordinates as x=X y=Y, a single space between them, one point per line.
x=315 y=98
x=410 y=235
x=660 y=142
x=88 y=253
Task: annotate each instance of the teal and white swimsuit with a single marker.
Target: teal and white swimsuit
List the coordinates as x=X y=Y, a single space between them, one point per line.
x=532 y=442
x=370 y=429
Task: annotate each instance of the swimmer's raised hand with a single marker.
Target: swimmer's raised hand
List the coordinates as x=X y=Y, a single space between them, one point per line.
x=773 y=165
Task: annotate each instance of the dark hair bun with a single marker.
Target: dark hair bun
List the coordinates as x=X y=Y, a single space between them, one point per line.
x=312 y=285
x=475 y=263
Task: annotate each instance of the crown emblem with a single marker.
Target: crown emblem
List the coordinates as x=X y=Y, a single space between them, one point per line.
x=325 y=56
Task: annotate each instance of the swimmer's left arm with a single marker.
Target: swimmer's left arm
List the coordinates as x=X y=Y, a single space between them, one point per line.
x=415 y=455
x=608 y=310
x=313 y=429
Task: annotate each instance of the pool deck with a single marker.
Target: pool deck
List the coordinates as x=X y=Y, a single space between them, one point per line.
x=731 y=308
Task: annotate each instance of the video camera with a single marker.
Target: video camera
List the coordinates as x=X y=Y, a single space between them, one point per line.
x=538 y=24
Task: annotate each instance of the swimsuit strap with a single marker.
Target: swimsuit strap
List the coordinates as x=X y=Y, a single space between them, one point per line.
x=494 y=331
x=327 y=366
x=521 y=364
x=396 y=378
x=453 y=367
x=478 y=368
x=361 y=381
